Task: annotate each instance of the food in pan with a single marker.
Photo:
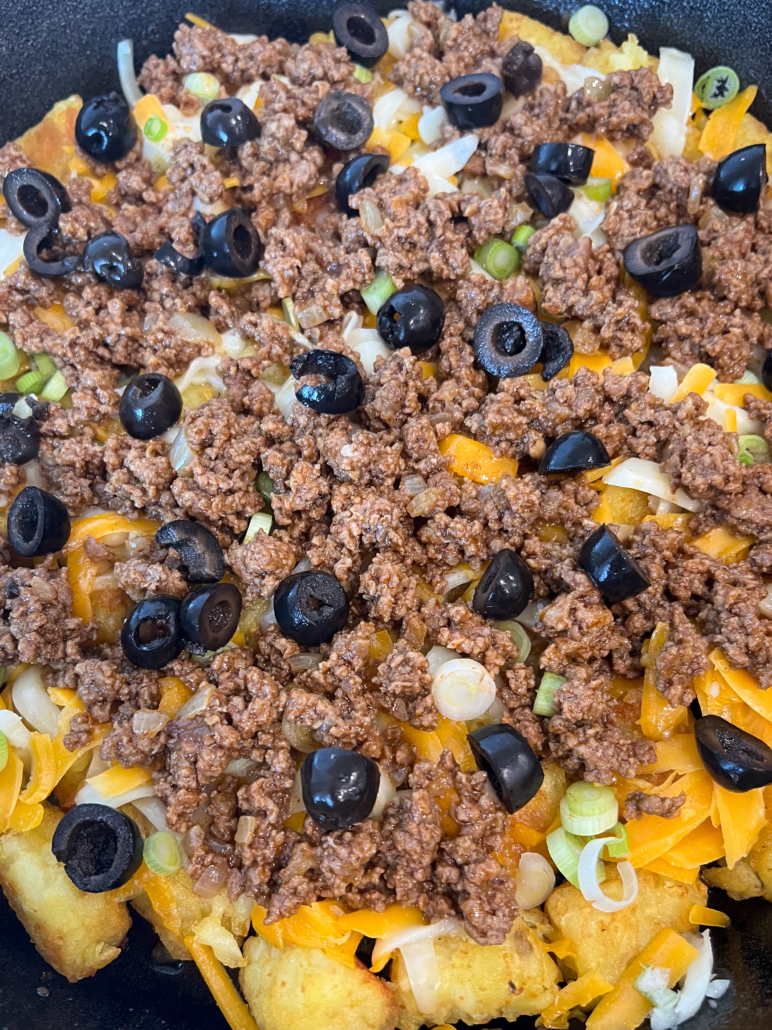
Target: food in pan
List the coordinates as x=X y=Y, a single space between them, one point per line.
x=384 y=439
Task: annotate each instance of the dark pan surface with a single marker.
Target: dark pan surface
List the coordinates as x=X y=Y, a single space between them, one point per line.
x=51 y=48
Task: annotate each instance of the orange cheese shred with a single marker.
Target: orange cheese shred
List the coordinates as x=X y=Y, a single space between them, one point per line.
x=576 y=994
x=10 y=787
x=43 y=776
x=699 y=915
x=228 y=999
x=653 y=836
x=742 y=817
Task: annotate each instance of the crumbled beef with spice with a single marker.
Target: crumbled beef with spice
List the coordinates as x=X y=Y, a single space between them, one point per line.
x=638 y=804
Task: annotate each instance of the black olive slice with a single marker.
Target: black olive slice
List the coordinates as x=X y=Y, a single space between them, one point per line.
x=151 y=404
x=209 y=615
x=341 y=390
x=557 y=350
x=505 y=587
x=310 y=607
x=43 y=236
x=343 y=120
x=576 y=451
x=412 y=317
x=168 y=255
x=198 y=548
x=508 y=340
x=360 y=173
x=741 y=179
x=104 y=128
x=101 y=848
x=339 y=787
x=514 y=771
x=611 y=567
x=734 y=758
x=152 y=636
x=34 y=196
x=472 y=101
x=569 y=162
x=228 y=123
x=766 y=371
x=666 y=263
x=230 y=244
x=521 y=69
x=110 y=259
x=19 y=440
x=361 y=32
x=547 y=194
x=8 y=402
x=38 y=523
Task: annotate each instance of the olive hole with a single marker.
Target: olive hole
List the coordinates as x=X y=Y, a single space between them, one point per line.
x=369 y=178
x=242 y=241
x=360 y=30
x=471 y=89
x=219 y=615
x=150 y=631
x=33 y=201
x=509 y=338
x=658 y=251
x=146 y=386
x=92 y=850
x=27 y=522
x=348 y=120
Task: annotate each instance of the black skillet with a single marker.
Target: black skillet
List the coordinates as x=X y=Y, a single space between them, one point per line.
x=52 y=48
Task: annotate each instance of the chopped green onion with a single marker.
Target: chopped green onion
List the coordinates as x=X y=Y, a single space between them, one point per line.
x=55 y=388
x=44 y=363
x=754 y=450
x=10 y=357
x=747 y=378
x=155 y=129
x=162 y=854
x=290 y=316
x=652 y=983
x=31 y=382
x=203 y=85
x=3 y=751
x=717 y=87
x=588 y=25
x=362 y=74
x=519 y=636
x=565 y=849
x=621 y=846
x=544 y=703
x=597 y=189
x=378 y=292
x=521 y=236
x=498 y=258
x=587 y=809
x=265 y=486
x=262 y=520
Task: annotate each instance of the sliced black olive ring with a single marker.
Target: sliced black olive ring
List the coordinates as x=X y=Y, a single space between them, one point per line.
x=151 y=637
x=101 y=848
x=150 y=404
x=19 y=439
x=667 y=262
x=508 y=340
x=341 y=389
x=557 y=350
x=361 y=32
x=735 y=759
x=472 y=101
x=104 y=128
x=230 y=244
x=35 y=197
x=505 y=587
x=343 y=120
x=547 y=194
x=521 y=69
x=209 y=615
x=412 y=317
x=168 y=255
x=339 y=787
x=310 y=607
x=576 y=451
x=740 y=179
x=200 y=553
x=110 y=259
x=44 y=236
x=514 y=771
x=228 y=123
x=38 y=523
x=569 y=162
x=360 y=173
x=611 y=567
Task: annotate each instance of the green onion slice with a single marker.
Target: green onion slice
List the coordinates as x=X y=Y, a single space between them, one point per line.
x=519 y=636
x=31 y=382
x=3 y=751
x=55 y=388
x=362 y=74
x=44 y=363
x=378 y=292
x=588 y=25
x=155 y=129
x=162 y=854
x=521 y=236
x=265 y=486
x=545 y=695
x=621 y=847
x=717 y=87
x=565 y=849
x=202 y=84
x=748 y=377
x=587 y=809
x=498 y=258
x=10 y=357
x=597 y=189
x=754 y=450
x=262 y=520
x=652 y=983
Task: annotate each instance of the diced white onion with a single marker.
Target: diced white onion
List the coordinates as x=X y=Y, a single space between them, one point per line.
x=296 y=803
x=154 y=810
x=195 y=328
x=148 y=723
x=694 y=989
x=717 y=410
x=127 y=74
x=385 y=108
x=643 y=475
x=430 y=124
x=31 y=701
x=764 y=607
x=370 y=216
x=588 y=878
x=588 y=215
x=34 y=474
x=445 y=928
x=439 y=655
x=534 y=880
x=386 y=794
x=463 y=689
x=196 y=704
x=669 y=133
x=89 y=795
x=572 y=74
x=399 y=36
x=663 y=381
x=448 y=159
x=369 y=346
x=351 y=320
x=249 y=94
x=456 y=576
x=284 y=398
x=181 y=456
x=312 y=315
x=239 y=767
x=209 y=882
x=11 y=251
x=531 y=614
x=16 y=733
x=233 y=343
x=242 y=38
x=439 y=185
x=717 y=989
x=262 y=520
